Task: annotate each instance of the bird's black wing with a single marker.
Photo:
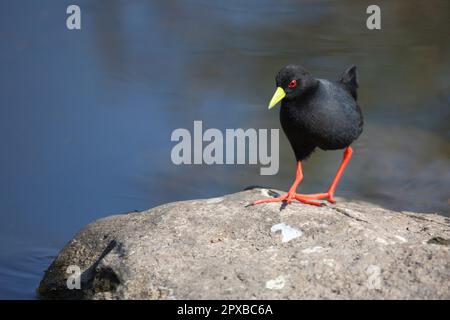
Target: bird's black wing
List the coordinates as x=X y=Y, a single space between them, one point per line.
x=349 y=80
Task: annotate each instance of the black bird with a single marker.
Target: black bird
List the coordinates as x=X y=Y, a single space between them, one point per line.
x=317 y=113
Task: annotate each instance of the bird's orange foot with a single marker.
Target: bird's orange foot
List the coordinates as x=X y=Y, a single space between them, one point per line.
x=289 y=197
x=328 y=196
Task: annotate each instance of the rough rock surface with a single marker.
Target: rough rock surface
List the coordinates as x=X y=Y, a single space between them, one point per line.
x=222 y=249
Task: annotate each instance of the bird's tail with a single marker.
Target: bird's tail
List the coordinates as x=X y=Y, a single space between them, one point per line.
x=350 y=80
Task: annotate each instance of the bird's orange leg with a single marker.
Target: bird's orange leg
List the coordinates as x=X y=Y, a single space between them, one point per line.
x=329 y=195
x=291 y=195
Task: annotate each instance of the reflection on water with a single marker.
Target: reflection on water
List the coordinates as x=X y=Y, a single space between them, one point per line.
x=86 y=116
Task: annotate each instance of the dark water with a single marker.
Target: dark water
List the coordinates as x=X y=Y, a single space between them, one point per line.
x=86 y=116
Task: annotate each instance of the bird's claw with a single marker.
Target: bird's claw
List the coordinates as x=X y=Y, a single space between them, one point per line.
x=288 y=197
x=328 y=196
x=304 y=198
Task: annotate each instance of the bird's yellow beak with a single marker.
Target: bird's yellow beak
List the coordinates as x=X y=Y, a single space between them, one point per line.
x=279 y=94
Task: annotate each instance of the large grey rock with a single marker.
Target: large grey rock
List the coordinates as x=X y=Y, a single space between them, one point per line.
x=222 y=249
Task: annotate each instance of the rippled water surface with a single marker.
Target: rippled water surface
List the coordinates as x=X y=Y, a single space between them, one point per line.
x=86 y=116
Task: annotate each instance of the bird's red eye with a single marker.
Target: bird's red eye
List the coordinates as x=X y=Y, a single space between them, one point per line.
x=293 y=84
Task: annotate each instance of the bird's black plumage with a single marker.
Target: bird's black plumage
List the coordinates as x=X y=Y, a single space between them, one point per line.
x=317 y=112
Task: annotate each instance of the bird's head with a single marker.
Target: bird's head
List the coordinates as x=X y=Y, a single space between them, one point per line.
x=292 y=81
